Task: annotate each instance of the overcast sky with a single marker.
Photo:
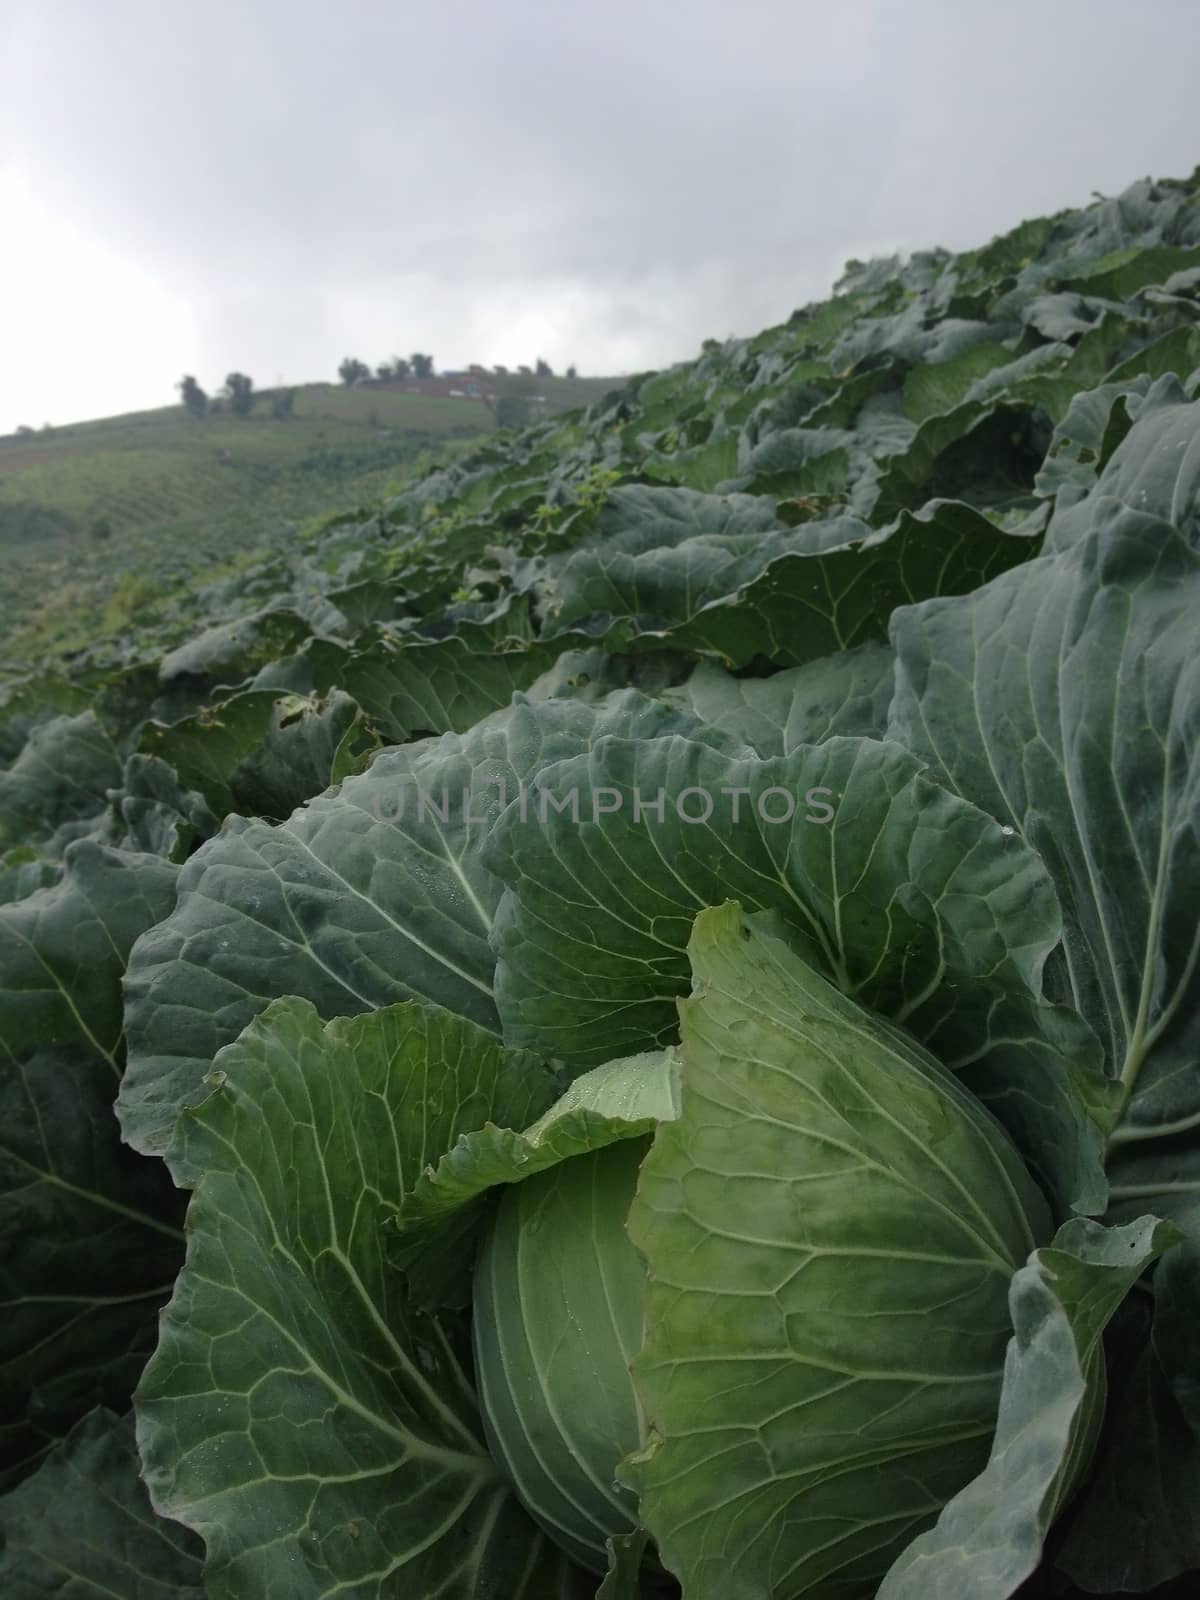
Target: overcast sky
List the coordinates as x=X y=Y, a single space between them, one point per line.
x=269 y=186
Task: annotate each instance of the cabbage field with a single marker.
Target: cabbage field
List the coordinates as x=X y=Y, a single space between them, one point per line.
x=626 y=1023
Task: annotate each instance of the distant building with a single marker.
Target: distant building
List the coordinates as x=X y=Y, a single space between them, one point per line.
x=446 y=385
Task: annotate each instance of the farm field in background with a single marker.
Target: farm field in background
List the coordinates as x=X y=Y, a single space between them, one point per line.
x=181 y=497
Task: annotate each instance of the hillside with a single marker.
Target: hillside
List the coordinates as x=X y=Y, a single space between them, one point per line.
x=101 y=521
x=624 y=1020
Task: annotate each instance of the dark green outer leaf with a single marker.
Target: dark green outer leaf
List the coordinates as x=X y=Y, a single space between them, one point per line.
x=811 y=604
x=29 y=701
x=62 y=776
x=1065 y=698
x=82 y=1528
x=411 y=691
x=360 y=899
x=89 y=1237
x=231 y=651
x=866 y=868
x=1137 y=1523
x=90 y=1243
x=22 y=871
x=916 y=903
x=845 y=694
x=260 y=753
x=319 y=1431
x=153 y=812
x=1095 y=422
x=934 y=388
x=989 y=1538
x=63 y=951
x=666 y=585
x=1133 y=270
x=1154 y=469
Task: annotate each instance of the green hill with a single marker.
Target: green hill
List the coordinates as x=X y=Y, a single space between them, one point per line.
x=101 y=520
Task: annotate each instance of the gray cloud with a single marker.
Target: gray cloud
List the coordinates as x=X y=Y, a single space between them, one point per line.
x=615 y=179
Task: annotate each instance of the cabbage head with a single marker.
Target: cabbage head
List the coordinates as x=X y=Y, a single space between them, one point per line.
x=557 y=1320
x=799 y=1354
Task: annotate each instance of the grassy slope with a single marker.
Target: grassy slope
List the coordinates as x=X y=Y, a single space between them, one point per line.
x=185 y=496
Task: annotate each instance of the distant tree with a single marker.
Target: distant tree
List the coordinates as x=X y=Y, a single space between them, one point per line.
x=283 y=403
x=513 y=396
x=526 y=372
x=101 y=528
x=571 y=373
x=383 y=370
x=239 y=391
x=195 y=401
x=501 y=372
x=400 y=367
x=544 y=369
x=422 y=366
x=23 y=427
x=352 y=369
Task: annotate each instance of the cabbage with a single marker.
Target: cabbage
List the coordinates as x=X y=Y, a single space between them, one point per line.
x=831 y=1223
x=832 y=1226
x=883 y=624
x=557 y=1318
